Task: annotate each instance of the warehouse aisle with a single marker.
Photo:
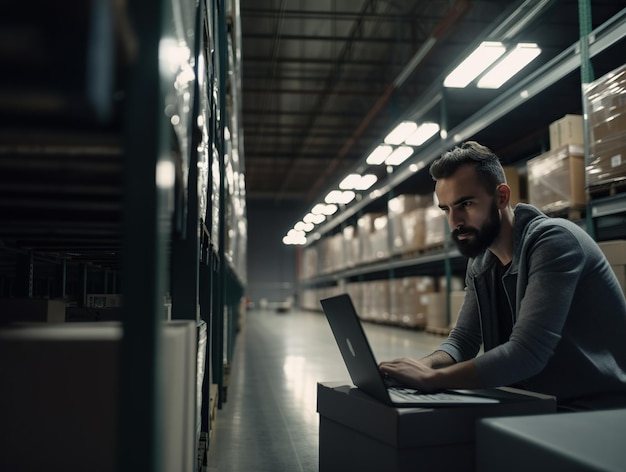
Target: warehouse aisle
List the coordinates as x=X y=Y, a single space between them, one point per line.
x=269 y=422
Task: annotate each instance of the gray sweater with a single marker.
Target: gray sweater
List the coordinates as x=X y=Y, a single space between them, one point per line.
x=569 y=313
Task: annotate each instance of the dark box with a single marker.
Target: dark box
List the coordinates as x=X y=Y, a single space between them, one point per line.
x=360 y=433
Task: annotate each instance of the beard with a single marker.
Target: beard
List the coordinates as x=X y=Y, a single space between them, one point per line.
x=482 y=237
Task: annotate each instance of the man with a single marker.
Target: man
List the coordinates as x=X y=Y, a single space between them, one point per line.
x=541 y=297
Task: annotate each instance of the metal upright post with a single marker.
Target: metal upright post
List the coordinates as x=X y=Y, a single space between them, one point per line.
x=447 y=243
x=586 y=76
x=219 y=314
x=148 y=192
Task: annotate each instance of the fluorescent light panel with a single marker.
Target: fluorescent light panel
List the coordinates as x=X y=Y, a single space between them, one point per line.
x=423 y=133
x=400 y=132
x=486 y=54
x=379 y=155
x=340 y=197
x=398 y=156
x=358 y=182
x=511 y=64
x=315 y=219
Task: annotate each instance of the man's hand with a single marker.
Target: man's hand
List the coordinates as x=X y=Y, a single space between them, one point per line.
x=420 y=376
x=411 y=373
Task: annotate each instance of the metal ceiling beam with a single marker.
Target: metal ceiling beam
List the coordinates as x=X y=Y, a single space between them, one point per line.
x=363 y=15
x=451 y=17
x=370 y=7
x=319 y=38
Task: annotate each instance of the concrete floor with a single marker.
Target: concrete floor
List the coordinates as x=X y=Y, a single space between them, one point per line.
x=269 y=422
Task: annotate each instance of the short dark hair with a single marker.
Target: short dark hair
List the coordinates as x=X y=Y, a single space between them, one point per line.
x=485 y=161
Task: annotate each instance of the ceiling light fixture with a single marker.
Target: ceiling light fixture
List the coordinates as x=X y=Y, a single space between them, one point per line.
x=315 y=219
x=358 y=182
x=483 y=56
x=339 y=197
x=400 y=132
x=379 y=155
x=398 y=156
x=302 y=226
x=423 y=133
x=511 y=64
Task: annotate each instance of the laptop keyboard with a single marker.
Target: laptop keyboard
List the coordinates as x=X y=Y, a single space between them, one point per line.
x=410 y=394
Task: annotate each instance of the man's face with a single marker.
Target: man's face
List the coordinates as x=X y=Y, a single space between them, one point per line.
x=472 y=212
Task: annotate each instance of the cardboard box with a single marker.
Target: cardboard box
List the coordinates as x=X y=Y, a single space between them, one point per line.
x=406 y=300
x=435 y=227
x=360 y=433
x=556 y=179
x=567 y=130
x=615 y=252
x=31 y=310
x=375 y=301
x=60 y=382
x=584 y=441
x=518 y=188
x=365 y=225
x=408 y=231
x=437 y=313
x=379 y=239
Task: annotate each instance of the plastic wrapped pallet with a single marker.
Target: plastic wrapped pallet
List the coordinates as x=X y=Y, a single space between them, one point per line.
x=350 y=246
x=375 y=301
x=556 y=179
x=435 y=227
x=380 y=238
x=605 y=100
x=365 y=226
x=406 y=222
x=310 y=261
x=436 y=314
x=407 y=303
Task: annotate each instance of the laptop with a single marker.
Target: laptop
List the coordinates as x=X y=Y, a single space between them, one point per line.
x=363 y=368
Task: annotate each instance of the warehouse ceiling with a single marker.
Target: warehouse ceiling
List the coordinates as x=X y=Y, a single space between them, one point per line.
x=324 y=81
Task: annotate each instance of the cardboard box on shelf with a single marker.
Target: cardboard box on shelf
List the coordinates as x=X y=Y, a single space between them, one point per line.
x=436 y=312
x=565 y=131
x=435 y=227
x=615 y=252
x=514 y=181
x=556 y=179
x=407 y=306
x=365 y=227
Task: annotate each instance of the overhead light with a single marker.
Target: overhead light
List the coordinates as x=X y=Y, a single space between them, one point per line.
x=324 y=209
x=295 y=237
x=366 y=181
x=398 y=156
x=511 y=64
x=302 y=226
x=486 y=54
x=315 y=219
x=358 y=182
x=350 y=182
x=340 y=197
x=401 y=132
x=423 y=133
x=318 y=209
x=379 y=155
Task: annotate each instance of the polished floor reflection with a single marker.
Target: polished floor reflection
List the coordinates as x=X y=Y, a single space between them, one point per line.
x=269 y=421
